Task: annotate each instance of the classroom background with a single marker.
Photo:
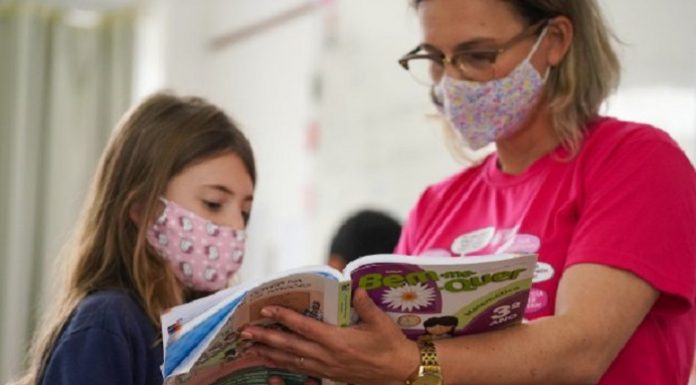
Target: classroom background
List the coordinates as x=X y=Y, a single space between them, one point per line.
x=335 y=123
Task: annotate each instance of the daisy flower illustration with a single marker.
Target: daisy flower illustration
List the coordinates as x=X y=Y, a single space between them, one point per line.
x=408 y=298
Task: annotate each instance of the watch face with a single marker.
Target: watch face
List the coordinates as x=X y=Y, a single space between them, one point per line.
x=428 y=379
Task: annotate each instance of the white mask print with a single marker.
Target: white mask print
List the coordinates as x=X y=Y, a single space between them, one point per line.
x=203 y=255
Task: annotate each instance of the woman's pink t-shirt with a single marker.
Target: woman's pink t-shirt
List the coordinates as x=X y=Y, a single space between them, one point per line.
x=627 y=200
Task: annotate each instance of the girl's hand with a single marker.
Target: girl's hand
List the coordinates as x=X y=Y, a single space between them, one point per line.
x=372 y=352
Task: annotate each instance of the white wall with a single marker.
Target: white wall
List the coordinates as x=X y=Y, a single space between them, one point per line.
x=659 y=58
x=264 y=83
x=378 y=149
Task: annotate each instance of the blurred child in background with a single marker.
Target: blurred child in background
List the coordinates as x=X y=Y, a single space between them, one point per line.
x=363 y=233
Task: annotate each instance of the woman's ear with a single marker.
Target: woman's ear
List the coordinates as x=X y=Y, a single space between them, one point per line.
x=560 y=37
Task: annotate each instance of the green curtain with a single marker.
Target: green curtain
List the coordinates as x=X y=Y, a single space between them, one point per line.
x=65 y=78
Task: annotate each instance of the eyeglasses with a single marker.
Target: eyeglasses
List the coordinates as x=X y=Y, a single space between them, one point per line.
x=427 y=68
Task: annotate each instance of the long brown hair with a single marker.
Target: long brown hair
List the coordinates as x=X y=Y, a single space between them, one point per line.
x=589 y=72
x=155 y=141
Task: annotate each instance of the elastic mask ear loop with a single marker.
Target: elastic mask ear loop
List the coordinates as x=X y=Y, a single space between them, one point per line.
x=162 y=217
x=537 y=44
x=535 y=48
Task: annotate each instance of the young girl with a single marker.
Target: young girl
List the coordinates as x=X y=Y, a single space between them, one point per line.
x=163 y=224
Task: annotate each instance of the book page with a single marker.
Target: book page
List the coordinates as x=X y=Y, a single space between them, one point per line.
x=174 y=319
x=224 y=359
x=439 y=297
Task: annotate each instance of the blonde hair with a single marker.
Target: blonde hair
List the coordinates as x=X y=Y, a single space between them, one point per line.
x=588 y=73
x=157 y=140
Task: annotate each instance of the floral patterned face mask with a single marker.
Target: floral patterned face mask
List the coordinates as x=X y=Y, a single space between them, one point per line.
x=203 y=255
x=485 y=112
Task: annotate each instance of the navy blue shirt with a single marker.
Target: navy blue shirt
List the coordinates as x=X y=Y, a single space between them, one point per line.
x=108 y=340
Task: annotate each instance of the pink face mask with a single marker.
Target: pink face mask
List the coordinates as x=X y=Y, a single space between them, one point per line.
x=203 y=255
x=485 y=112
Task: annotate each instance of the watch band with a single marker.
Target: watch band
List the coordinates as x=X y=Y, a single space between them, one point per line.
x=429 y=368
x=428 y=354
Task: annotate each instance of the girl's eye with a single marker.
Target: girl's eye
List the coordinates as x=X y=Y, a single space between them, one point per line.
x=212 y=206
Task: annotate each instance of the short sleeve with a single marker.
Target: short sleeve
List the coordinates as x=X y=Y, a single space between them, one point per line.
x=411 y=228
x=91 y=356
x=639 y=214
x=405 y=244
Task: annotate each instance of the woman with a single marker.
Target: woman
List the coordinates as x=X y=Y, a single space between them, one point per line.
x=164 y=223
x=609 y=206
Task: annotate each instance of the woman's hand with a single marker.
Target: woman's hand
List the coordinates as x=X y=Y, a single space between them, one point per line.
x=372 y=352
x=279 y=381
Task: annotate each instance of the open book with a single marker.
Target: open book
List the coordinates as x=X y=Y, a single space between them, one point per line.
x=428 y=297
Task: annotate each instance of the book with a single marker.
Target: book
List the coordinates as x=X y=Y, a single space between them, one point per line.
x=428 y=297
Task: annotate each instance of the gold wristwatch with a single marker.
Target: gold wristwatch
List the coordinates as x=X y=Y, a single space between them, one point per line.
x=429 y=372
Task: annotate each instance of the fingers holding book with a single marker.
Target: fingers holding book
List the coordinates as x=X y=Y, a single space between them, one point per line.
x=291 y=362
x=340 y=354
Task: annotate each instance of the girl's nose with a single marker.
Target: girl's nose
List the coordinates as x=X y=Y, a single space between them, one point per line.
x=234 y=218
x=238 y=221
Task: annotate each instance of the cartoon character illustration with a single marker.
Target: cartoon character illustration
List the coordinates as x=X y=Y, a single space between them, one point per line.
x=186 y=223
x=186 y=268
x=314 y=311
x=212 y=229
x=237 y=255
x=408 y=320
x=226 y=348
x=186 y=245
x=212 y=252
x=230 y=354
x=210 y=274
x=438 y=328
x=231 y=336
x=162 y=239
